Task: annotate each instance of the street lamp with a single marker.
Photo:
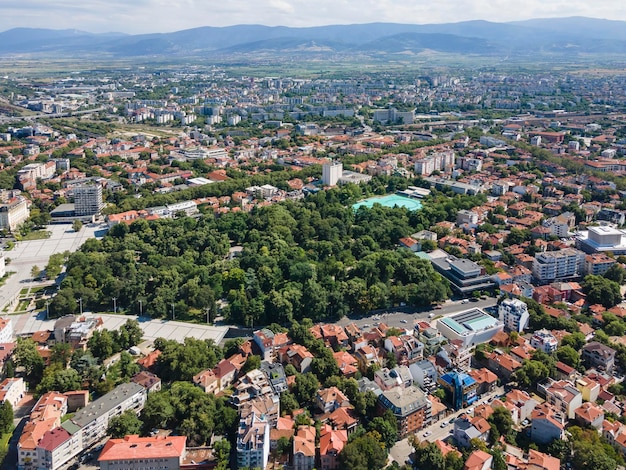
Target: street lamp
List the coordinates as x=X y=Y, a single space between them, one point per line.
x=80 y=303
x=114 y=305
x=47 y=310
x=173 y=312
x=140 y=309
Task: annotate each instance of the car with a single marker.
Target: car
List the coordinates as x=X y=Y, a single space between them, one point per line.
x=403 y=321
x=444 y=424
x=464 y=301
x=438 y=307
x=525 y=422
x=427 y=433
x=431 y=315
x=366 y=325
x=470 y=410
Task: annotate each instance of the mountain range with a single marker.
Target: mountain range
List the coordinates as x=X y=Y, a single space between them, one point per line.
x=556 y=36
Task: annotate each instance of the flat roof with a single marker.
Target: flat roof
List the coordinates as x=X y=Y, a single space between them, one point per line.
x=104 y=404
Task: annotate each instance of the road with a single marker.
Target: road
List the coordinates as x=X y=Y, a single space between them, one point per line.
x=27 y=254
x=406 y=320
x=402 y=450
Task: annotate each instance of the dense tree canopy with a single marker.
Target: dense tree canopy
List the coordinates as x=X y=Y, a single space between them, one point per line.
x=316 y=258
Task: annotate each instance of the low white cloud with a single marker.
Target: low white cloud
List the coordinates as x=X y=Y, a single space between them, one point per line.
x=143 y=16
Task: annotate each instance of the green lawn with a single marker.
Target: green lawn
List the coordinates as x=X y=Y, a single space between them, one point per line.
x=37 y=235
x=6 y=276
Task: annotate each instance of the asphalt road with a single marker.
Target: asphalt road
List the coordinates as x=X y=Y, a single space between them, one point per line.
x=401 y=319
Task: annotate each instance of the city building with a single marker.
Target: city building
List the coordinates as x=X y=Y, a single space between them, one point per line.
x=562 y=395
x=87 y=199
x=332 y=443
x=331 y=172
x=465 y=275
x=460 y=389
x=598 y=355
x=553 y=266
x=410 y=406
x=12 y=390
x=602 y=239
x=304 y=448
x=470 y=327
x=547 y=425
x=544 y=341
x=253 y=442
x=6 y=330
x=466 y=429
x=514 y=314
x=142 y=453
x=13 y=213
x=598 y=264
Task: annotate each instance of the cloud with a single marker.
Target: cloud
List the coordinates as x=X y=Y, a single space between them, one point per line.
x=142 y=16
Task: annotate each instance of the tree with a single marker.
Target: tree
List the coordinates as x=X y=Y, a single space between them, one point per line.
x=28 y=358
x=363 y=453
x=531 y=373
x=253 y=362
x=429 y=456
x=221 y=450
x=305 y=388
x=6 y=417
x=569 y=356
x=59 y=378
x=387 y=430
x=124 y=424
x=61 y=354
x=77 y=225
x=288 y=402
x=601 y=290
x=576 y=341
x=35 y=272
x=501 y=421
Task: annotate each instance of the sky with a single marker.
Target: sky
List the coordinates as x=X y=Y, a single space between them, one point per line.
x=148 y=16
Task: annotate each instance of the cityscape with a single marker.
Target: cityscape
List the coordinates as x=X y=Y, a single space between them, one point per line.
x=360 y=246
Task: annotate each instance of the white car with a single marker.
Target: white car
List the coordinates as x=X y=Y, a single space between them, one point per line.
x=427 y=433
x=402 y=321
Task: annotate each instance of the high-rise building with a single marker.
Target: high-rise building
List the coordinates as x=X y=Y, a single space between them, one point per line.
x=514 y=314
x=87 y=199
x=331 y=172
x=557 y=265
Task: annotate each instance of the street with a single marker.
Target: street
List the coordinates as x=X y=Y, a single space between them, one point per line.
x=406 y=320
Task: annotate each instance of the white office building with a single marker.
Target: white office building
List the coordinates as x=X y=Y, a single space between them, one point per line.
x=471 y=327
x=13 y=213
x=602 y=239
x=544 y=340
x=514 y=314
x=331 y=172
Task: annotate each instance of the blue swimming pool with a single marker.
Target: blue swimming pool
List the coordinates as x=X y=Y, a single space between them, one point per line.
x=390 y=200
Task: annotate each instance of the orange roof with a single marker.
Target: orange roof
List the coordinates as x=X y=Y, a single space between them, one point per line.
x=543 y=461
x=477 y=460
x=134 y=447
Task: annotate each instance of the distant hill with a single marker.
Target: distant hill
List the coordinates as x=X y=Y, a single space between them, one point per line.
x=575 y=35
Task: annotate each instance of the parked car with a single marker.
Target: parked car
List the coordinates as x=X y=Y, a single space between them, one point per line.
x=427 y=433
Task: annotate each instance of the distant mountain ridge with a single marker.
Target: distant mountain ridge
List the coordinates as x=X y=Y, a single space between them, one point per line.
x=553 y=36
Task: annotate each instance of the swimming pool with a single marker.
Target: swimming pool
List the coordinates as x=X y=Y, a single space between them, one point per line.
x=390 y=200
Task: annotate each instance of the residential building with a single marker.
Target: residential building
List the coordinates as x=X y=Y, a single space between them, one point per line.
x=502 y=364
x=552 y=266
x=470 y=327
x=410 y=406
x=406 y=348
x=87 y=199
x=147 y=380
x=521 y=405
x=589 y=388
x=329 y=399
x=485 y=379
x=590 y=415
x=12 y=390
x=547 y=425
x=304 y=448
x=296 y=355
x=460 y=389
x=424 y=374
x=514 y=314
x=563 y=396
x=544 y=341
x=540 y=461
x=253 y=442
x=332 y=443
x=466 y=429
x=478 y=460
x=140 y=453
x=598 y=264
x=598 y=355
x=561 y=224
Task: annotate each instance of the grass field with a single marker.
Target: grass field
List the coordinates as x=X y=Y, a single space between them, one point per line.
x=36 y=235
